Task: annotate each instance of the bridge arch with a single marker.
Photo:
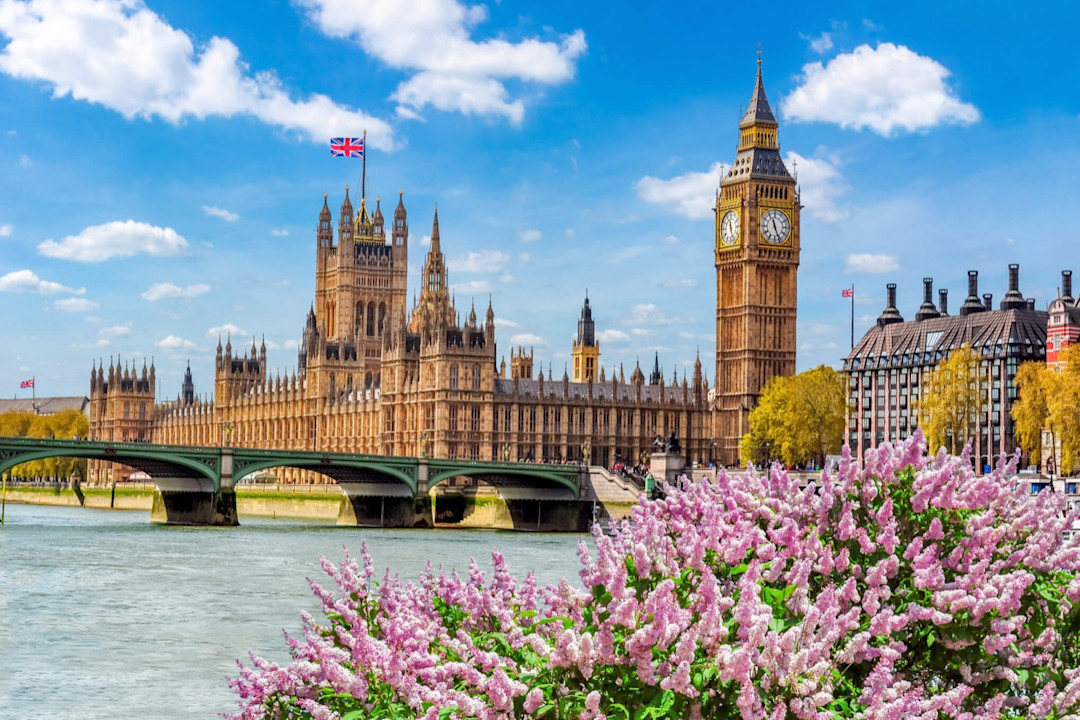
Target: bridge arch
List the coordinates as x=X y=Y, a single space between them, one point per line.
x=156 y=464
x=342 y=471
x=492 y=472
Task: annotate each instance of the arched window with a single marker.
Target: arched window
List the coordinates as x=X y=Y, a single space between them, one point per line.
x=453 y=377
x=476 y=377
x=382 y=317
x=360 y=316
x=371 y=319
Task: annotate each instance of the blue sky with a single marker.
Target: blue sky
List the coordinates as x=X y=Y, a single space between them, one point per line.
x=163 y=164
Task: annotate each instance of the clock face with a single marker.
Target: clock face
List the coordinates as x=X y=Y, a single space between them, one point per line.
x=775 y=227
x=729 y=227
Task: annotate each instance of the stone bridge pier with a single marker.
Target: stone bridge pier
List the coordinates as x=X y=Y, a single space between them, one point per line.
x=386 y=503
x=196 y=500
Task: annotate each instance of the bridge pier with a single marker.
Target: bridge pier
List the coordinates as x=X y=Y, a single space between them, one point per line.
x=193 y=501
x=390 y=505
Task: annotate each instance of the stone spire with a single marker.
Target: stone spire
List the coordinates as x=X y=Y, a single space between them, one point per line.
x=586 y=328
x=758 y=112
x=656 y=377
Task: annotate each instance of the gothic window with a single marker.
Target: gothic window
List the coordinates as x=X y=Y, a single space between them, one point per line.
x=360 y=316
x=382 y=317
x=127 y=411
x=142 y=411
x=453 y=377
x=453 y=418
x=367 y=381
x=474 y=423
x=371 y=319
x=476 y=377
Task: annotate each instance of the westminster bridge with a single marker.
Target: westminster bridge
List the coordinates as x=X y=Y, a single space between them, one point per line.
x=196 y=485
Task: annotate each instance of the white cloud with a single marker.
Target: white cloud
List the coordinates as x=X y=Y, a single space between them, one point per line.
x=452 y=71
x=425 y=241
x=679 y=282
x=820 y=186
x=122 y=55
x=168 y=291
x=226 y=215
x=75 y=304
x=527 y=339
x=292 y=344
x=226 y=330
x=570 y=232
x=115 y=239
x=279 y=232
x=871 y=264
x=6 y=230
x=485 y=261
x=612 y=336
x=885 y=89
x=628 y=253
x=507 y=279
x=473 y=287
x=27 y=281
x=528 y=236
x=525 y=258
x=173 y=342
x=821 y=44
x=25 y=161
x=691 y=195
x=649 y=314
x=115 y=331
x=504 y=323
x=671 y=240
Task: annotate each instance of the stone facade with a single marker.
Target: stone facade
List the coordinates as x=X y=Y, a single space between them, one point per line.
x=375 y=376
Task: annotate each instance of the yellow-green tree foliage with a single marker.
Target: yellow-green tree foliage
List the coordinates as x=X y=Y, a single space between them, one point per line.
x=951 y=401
x=797 y=419
x=1036 y=385
x=1064 y=408
x=66 y=424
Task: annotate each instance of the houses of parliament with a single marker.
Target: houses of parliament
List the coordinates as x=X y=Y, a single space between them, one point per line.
x=377 y=376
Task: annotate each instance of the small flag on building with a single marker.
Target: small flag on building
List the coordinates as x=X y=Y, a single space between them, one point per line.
x=27 y=383
x=847 y=292
x=347 y=147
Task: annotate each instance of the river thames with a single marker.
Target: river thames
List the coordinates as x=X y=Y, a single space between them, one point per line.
x=105 y=615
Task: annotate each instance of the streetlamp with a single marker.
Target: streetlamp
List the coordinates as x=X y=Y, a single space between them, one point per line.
x=586 y=449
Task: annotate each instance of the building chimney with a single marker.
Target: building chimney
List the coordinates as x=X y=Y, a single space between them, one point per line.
x=943 y=301
x=927 y=309
x=1013 y=300
x=890 y=314
x=1030 y=303
x=1066 y=285
x=971 y=302
x=988 y=301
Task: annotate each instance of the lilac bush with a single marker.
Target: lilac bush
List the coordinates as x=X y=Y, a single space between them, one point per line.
x=905 y=588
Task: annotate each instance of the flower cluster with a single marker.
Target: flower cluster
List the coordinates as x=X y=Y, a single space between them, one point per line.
x=904 y=588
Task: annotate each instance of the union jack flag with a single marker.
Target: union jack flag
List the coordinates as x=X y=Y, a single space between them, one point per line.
x=347 y=147
x=847 y=292
x=27 y=384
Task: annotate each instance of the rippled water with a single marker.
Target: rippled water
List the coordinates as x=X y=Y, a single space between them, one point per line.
x=105 y=615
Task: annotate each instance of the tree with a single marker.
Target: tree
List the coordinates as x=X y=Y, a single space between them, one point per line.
x=1037 y=385
x=1064 y=406
x=797 y=419
x=67 y=424
x=906 y=588
x=952 y=397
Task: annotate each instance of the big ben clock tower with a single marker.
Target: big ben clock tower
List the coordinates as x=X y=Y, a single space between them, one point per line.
x=757 y=262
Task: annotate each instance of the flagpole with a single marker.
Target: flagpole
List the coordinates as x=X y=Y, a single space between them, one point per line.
x=363 y=176
x=852 y=316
